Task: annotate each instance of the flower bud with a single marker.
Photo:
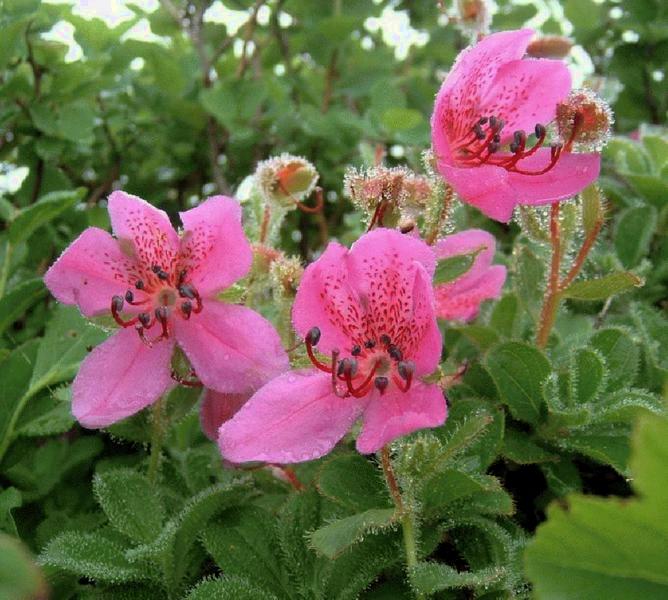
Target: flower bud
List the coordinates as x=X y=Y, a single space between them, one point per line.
x=550 y=46
x=284 y=179
x=473 y=16
x=286 y=273
x=584 y=120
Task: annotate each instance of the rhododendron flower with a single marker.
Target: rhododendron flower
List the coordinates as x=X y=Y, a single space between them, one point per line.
x=460 y=299
x=369 y=310
x=486 y=104
x=161 y=289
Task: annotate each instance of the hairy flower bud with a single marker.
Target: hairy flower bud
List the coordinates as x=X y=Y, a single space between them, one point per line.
x=473 y=16
x=286 y=273
x=550 y=46
x=584 y=120
x=285 y=179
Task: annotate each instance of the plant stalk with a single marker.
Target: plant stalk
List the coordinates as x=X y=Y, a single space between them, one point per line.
x=548 y=314
x=157 y=435
x=407 y=527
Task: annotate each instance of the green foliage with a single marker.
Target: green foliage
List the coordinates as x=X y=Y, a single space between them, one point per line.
x=606 y=547
x=19 y=578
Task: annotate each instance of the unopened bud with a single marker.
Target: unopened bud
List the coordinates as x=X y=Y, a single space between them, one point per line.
x=473 y=16
x=285 y=179
x=584 y=120
x=286 y=273
x=550 y=46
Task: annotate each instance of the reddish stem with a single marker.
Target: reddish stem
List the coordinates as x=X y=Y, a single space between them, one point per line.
x=551 y=301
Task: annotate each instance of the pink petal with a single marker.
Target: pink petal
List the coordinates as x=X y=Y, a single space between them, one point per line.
x=426 y=345
x=327 y=300
x=217 y=408
x=214 y=249
x=392 y=273
x=396 y=413
x=119 y=378
x=458 y=102
x=526 y=92
x=293 y=418
x=90 y=271
x=496 y=191
x=143 y=230
x=232 y=348
x=461 y=301
x=571 y=175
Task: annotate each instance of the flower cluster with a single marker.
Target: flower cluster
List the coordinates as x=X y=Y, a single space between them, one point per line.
x=367 y=315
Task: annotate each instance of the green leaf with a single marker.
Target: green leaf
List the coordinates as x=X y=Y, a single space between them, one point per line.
x=529 y=279
x=593 y=209
x=588 y=376
x=48 y=414
x=519 y=371
x=334 y=538
x=605 y=547
x=354 y=482
x=175 y=541
x=607 y=444
x=14 y=304
x=10 y=498
x=520 y=448
x=603 y=287
x=431 y=577
x=49 y=206
x=505 y=316
x=130 y=503
x=19 y=577
x=633 y=233
x=449 y=269
x=399 y=119
x=66 y=342
x=229 y=587
x=621 y=356
x=90 y=555
x=243 y=543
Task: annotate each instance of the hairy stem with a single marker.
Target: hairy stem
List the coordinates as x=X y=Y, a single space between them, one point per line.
x=157 y=435
x=405 y=517
x=548 y=313
x=444 y=209
x=582 y=255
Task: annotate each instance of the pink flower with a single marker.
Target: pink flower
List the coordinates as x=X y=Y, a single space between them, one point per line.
x=369 y=310
x=460 y=299
x=491 y=98
x=161 y=289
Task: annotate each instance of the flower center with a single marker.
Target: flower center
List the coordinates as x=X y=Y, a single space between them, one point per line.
x=376 y=363
x=481 y=145
x=162 y=296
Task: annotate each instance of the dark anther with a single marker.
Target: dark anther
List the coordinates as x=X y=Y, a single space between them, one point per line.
x=517 y=136
x=117 y=304
x=139 y=284
x=144 y=319
x=162 y=275
x=493 y=147
x=339 y=371
x=348 y=367
x=186 y=308
x=539 y=130
x=356 y=350
x=161 y=314
x=496 y=139
x=381 y=383
x=493 y=122
x=182 y=276
x=156 y=268
x=482 y=120
x=395 y=353
x=129 y=296
x=187 y=291
x=479 y=133
x=385 y=339
x=406 y=368
x=370 y=344
x=313 y=336
x=514 y=147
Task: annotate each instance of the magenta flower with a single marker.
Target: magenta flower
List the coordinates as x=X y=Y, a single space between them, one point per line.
x=161 y=289
x=369 y=310
x=486 y=104
x=460 y=299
